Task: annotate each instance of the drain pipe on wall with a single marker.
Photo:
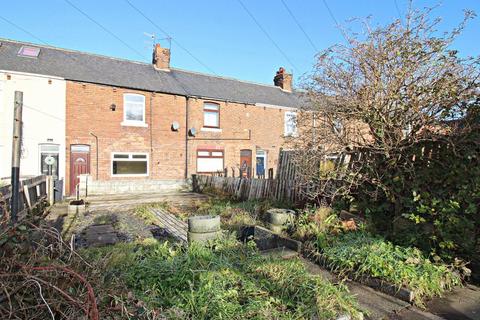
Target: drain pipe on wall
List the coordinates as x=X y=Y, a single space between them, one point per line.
x=187 y=103
x=96 y=155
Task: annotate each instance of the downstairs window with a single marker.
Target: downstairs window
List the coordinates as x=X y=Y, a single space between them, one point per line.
x=129 y=164
x=209 y=161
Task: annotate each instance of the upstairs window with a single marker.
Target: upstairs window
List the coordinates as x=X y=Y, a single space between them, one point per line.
x=134 y=110
x=211 y=115
x=290 y=123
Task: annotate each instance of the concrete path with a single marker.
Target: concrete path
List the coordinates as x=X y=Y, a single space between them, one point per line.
x=460 y=304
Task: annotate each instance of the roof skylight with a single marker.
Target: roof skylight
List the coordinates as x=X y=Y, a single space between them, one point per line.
x=30 y=52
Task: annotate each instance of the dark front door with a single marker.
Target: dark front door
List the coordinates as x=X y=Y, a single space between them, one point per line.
x=79 y=164
x=246 y=163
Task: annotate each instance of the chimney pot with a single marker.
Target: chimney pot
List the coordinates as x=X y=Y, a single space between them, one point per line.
x=283 y=79
x=161 y=58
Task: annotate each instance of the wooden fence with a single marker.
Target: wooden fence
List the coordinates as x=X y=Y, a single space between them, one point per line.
x=249 y=189
x=285 y=186
x=33 y=192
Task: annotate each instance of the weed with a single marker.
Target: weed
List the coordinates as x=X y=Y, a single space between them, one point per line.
x=227 y=280
x=359 y=253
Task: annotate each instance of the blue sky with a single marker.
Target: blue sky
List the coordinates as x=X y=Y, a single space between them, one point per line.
x=220 y=33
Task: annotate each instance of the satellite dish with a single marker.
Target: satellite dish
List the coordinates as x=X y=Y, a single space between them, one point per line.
x=49 y=161
x=175 y=126
x=192 y=132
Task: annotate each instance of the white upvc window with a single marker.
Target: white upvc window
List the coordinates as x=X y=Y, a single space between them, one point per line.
x=290 y=123
x=129 y=164
x=211 y=115
x=209 y=161
x=134 y=110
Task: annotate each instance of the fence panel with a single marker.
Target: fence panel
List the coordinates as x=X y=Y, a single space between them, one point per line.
x=33 y=192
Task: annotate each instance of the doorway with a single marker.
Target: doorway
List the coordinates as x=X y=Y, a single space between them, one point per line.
x=261 y=163
x=245 y=163
x=79 y=164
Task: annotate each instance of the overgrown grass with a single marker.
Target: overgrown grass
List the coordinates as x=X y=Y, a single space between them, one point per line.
x=362 y=254
x=228 y=280
x=358 y=253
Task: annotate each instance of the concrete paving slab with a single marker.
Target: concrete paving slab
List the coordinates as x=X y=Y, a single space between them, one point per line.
x=461 y=303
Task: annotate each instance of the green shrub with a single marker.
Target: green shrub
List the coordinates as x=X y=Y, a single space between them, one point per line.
x=226 y=281
x=359 y=253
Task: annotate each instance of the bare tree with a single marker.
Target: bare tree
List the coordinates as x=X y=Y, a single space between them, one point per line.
x=376 y=99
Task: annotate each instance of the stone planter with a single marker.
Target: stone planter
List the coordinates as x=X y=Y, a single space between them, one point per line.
x=278 y=219
x=265 y=239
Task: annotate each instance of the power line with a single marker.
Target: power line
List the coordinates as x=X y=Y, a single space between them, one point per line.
x=168 y=35
x=43 y=112
x=267 y=35
x=335 y=20
x=24 y=30
x=299 y=26
x=60 y=51
x=104 y=28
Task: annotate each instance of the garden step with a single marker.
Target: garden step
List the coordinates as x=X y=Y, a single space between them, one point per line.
x=174 y=226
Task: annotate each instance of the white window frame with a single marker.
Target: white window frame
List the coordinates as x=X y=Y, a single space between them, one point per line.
x=133 y=123
x=210 y=156
x=288 y=115
x=130 y=158
x=212 y=108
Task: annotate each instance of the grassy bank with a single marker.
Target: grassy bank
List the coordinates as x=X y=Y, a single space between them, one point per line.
x=358 y=253
x=227 y=281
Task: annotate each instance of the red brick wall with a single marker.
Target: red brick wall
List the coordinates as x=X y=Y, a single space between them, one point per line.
x=266 y=125
x=88 y=110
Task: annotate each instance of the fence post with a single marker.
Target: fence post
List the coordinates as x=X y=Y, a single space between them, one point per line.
x=50 y=190
x=194 y=183
x=16 y=153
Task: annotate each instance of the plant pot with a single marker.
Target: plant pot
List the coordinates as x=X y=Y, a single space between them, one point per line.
x=204 y=224
x=203 y=237
x=280 y=217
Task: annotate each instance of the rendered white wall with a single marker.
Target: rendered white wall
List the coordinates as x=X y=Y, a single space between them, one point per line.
x=43 y=119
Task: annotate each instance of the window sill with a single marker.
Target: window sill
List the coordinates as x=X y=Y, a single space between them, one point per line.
x=128 y=175
x=211 y=129
x=133 y=124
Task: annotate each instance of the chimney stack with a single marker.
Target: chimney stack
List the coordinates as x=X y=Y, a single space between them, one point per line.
x=283 y=80
x=161 y=58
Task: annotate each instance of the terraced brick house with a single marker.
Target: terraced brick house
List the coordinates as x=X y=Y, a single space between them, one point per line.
x=132 y=126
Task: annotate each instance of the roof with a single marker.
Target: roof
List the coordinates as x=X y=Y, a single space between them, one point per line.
x=92 y=68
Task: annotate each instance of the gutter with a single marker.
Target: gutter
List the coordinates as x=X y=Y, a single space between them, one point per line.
x=96 y=154
x=187 y=104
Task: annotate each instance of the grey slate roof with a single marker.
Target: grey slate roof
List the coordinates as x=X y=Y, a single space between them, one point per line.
x=85 y=67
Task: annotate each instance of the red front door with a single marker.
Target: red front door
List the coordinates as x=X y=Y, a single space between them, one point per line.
x=246 y=163
x=79 y=164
